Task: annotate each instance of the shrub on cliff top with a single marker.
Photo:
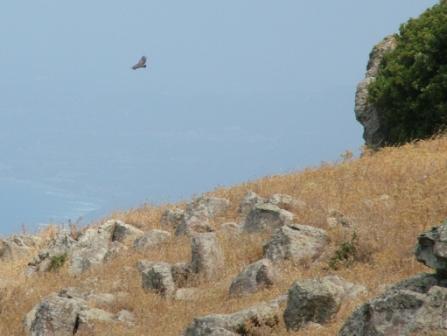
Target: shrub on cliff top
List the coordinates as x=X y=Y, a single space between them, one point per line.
x=410 y=91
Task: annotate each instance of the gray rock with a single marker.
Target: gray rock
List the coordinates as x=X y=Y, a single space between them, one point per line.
x=264 y=315
x=124 y=233
x=18 y=246
x=172 y=218
x=296 y=243
x=248 y=203
x=157 y=277
x=126 y=317
x=311 y=301
x=64 y=314
x=151 y=239
x=231 y=228
x=194 y=220
x=207 y=255
x=412 y=307
x=59 y=246
x=199 y=212
x=54 y=316
x=431 y=248
x=214 y=206
x=266 y=216
x=254 y=277
x=365 y=113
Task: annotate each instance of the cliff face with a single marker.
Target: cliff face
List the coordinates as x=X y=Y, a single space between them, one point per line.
x=365 y=113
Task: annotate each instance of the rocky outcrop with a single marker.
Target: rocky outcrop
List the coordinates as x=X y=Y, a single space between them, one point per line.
x=266 y=216
x=316 y=300
x=248 y=202
x=94 y=246
x=365 y=113
x=265 y=316
x=18 y=246
x=65 y=314
x=296 y=243
x=413 y=306
x=253 y=278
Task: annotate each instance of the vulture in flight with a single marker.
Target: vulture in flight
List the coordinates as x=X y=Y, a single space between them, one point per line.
x=141 y=63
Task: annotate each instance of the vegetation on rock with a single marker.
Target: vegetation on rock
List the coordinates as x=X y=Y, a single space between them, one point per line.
x=410 y=89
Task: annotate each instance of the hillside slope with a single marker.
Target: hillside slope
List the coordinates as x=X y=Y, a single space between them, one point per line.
x=389 y=197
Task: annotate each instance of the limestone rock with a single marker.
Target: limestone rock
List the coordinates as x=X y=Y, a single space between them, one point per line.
x=157 y=277
x=207 y=255
x=181 y=274
x=214 y=206
x=431 y=249
x=64 y=314
x=151 y=239
x=248 y=202
x=412 y=307
x=365 y=113
x=296 y=243
x=18 y=246
x=59 y=246
x=254 y=277
x=314 y=300
x=266 y=216
x=125 y=233
x=264 y=315
x=172 y=218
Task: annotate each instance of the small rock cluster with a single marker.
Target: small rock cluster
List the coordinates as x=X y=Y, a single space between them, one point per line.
x=308 y=301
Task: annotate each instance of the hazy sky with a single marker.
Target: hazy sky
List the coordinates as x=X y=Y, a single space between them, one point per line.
x=234 y=90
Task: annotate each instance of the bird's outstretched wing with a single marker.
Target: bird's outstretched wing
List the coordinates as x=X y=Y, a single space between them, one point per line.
x=141 y=63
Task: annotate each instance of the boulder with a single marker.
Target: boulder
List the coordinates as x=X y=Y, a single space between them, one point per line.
x=266 y=216
x=124 y=233
x=296 y=243
x=253 y=278
x=151 y=239
x=248 y=202
x=314 y=300
x=157 y=277
x=64 y=314
x=207 y=255
x=431 y=248
x=213 y=206
x=411 y=307
x=265 y=316
x=181 y=274
x=172 y=218
x=365 y=113
x=18 y=246
x=59 y=247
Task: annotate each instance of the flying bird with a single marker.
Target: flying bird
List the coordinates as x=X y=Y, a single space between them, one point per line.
x=141 y=63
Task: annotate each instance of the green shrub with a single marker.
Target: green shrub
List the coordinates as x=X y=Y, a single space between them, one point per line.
x=57 y=262
x=346 y=253
x=410 y=91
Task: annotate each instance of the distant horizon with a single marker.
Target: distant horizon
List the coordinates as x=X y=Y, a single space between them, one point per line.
x=232 y=92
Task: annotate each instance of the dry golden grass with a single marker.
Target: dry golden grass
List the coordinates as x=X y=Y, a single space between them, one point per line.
x=391 y=196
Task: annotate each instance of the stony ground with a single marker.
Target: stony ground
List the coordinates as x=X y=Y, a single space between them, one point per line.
x=387 y=198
